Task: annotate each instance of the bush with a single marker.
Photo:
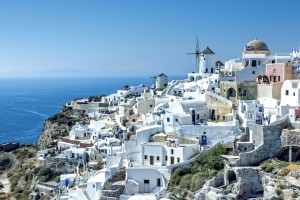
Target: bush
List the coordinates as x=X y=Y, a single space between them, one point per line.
x=5 y=163
x=294 y=195
x=268 y=167
x=192 y=176
x=278 y=191
x=22 y=154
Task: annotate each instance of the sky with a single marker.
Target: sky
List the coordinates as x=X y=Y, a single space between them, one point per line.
x=134 y=37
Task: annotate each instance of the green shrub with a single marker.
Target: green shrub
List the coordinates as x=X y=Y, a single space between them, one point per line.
x=185 y=181
x=5 y=163
x=278 y=191
x=294 y=195
x=192 y=176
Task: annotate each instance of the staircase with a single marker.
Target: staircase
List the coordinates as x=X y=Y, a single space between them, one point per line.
x=86 y=195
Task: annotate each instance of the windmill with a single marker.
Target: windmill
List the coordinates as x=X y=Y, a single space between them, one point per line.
x=197 y=53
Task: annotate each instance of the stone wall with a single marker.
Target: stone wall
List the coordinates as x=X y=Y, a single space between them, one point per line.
x=267 y=144
x=248 y=181
x=290 y=137
x=220 y=108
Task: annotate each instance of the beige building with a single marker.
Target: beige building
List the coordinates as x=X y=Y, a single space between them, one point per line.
x=235 y=91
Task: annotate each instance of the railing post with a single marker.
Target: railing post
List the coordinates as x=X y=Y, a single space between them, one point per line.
x=290 y=153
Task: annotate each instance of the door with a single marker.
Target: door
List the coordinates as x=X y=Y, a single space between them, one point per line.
x=213 y=114
x=146 y=186
x=172 y=160
x=151 y=160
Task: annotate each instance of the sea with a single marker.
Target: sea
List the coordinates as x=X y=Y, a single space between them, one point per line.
x=25 y=103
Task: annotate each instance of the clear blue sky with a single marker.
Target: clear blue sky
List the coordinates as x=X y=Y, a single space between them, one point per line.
x=134 y=37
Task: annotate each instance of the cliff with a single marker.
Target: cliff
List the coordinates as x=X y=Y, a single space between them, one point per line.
x=57 y=126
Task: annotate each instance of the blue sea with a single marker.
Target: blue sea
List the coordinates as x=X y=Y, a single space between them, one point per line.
x=27 y=102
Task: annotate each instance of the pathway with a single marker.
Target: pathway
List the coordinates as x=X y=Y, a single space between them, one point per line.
x=3 y=177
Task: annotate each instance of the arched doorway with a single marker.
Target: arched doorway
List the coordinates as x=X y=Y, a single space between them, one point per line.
x=231 y=177
x=231 y=93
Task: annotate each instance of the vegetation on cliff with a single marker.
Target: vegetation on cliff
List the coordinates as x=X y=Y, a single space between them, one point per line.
x=192 y=176
x=26 y=174
x=5 y=163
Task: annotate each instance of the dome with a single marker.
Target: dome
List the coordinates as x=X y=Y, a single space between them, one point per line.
x=256 y=45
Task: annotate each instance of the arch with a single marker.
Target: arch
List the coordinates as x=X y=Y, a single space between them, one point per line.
x=231 y=177
x=231 y=93
x=265 y=79
x=191 y=78
x=283 y=153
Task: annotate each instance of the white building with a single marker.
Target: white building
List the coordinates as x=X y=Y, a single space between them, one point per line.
x=143 y=180
x=290 y=98
x=251 y=112
x=161 y=81
x=163 y=154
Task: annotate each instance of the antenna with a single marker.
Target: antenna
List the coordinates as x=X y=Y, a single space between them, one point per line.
x=196 y=53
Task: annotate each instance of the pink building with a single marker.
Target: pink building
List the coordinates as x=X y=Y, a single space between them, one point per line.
x=269 y=85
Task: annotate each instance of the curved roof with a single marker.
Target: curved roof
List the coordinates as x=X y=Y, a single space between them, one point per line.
x=257 y=45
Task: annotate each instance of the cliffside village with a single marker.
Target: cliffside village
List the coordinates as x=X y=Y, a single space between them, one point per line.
x=246 y=104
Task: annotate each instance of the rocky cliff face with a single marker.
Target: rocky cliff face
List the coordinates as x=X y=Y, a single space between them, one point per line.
x=55 y=127
x=51 y=132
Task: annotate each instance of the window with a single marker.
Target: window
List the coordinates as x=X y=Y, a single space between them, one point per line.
x=166 y=158
x=260 y=109
x=211 y=70
x=224 y=117
x=253 y=72
x=278 y=78
x=247 y=63
x=270 y=78
x=204 y=133
x=244 y=93
x=157 y=158
x=176 y=119
x=286 y=92
x=178 y=160
x=168 y=119
x=146 y=157
x=206 y=70
x=93 y=185
x=150 y=106
x=294 y=94
x=172 y=151
x=158 y=182
x=253 y=63
x=197 y=116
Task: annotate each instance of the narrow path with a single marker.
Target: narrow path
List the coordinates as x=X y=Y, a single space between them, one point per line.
x=3 y=177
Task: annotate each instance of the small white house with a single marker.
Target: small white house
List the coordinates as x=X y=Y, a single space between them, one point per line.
x=251 y=112
x=164 y=154
x=143 y=180
x=67 y=179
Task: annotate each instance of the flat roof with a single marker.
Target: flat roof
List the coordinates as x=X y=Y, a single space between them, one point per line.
x=154 y=144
